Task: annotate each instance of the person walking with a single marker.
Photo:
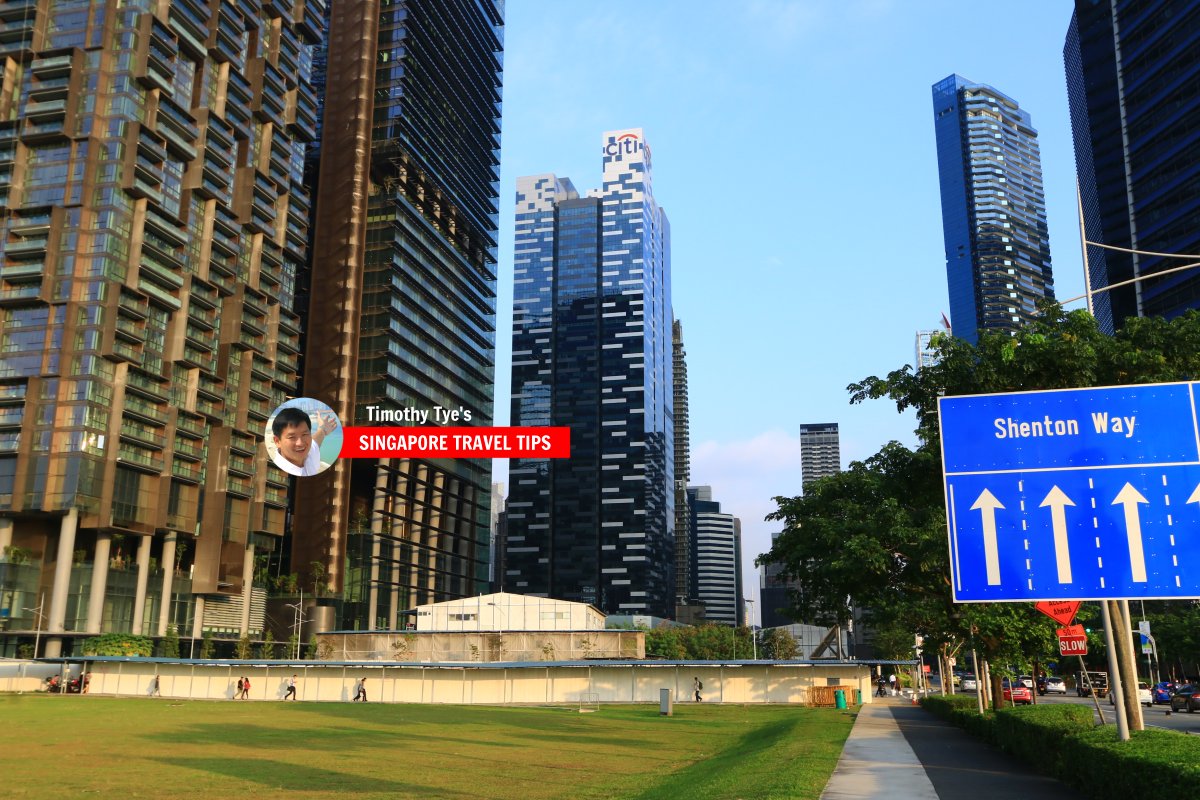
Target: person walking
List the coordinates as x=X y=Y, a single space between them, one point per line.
x=155 y=688
x=361 y=694
x=238 y=694
x=697 y=686
x=291 y=688
x=892 y=684
x=245 y=688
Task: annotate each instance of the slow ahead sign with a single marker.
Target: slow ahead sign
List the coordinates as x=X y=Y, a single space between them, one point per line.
x=1073 y=494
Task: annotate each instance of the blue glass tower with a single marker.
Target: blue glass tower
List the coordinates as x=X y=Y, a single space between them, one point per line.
x=993 y=208
x=1133 y=79
x=592 y=350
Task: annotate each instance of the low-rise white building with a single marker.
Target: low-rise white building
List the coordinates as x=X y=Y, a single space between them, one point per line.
x=508 y=612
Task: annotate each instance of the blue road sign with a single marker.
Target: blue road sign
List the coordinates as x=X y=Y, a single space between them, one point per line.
x=1073 y=494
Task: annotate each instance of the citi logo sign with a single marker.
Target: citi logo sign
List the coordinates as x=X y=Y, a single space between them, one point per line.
x=626 y=144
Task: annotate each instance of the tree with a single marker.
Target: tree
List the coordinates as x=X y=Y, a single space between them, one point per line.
x=170 y=643
x=267 y=649
x=777 y=644
x=206 y=645
x=242 y=649
x=876 y=533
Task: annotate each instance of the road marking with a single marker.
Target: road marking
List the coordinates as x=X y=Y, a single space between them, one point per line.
x=1129 y=498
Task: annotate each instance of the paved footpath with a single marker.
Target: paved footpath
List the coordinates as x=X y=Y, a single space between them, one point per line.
x=902 y=752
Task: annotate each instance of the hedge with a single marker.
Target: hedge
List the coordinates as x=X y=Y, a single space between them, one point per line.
x=1062 y=741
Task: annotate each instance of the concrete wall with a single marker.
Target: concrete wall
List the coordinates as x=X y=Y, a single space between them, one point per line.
x=414 y=683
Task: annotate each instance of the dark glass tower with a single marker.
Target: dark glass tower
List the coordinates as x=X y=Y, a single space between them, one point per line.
x=592 y=350
x=152 y=221
x=1133 y=78
x=993 y=208
x=403 y=288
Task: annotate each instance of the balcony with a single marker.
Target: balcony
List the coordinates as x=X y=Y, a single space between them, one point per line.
x=140 y=459
x=137 y=407
x=187 y=471
x=24 y=249
x=189 y=449
x=193 y=426
x=147 y=437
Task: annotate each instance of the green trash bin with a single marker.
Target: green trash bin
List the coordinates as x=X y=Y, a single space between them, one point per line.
x=839 y=699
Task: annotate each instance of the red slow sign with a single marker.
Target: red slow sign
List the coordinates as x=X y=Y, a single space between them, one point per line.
x=1072 y=641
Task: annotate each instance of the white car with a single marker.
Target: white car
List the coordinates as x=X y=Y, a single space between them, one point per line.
x=1055 y=686
x=970 y=683
x=1145 y=696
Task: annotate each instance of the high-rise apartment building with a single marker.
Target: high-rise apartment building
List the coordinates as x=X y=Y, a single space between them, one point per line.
x=1133 y=80
x=153 y=221
x=820 y=451
x=403 y=288
x=716 y=564
x=683 y=471
x=993 y=208
x=592 y=351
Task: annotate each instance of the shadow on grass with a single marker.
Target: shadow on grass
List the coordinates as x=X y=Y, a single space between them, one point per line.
x=280 y=775
x=760 y=763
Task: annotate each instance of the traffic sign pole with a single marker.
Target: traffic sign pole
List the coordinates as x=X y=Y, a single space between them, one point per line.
x=1083 y=674
x=1114 y=682
x=1129 y=669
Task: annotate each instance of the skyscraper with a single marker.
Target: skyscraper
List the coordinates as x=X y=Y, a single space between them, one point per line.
x=403 y=287
x=1133 y=80
x=154 y=219
x=993 y=208
x=592 y=350
x=683 y=447
x=716 y=564
x=820 y=451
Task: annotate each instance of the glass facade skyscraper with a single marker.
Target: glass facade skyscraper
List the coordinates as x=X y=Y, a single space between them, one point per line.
x=592 y=351
x=716 y=563
x=1133 y=79
x=153 y=219
x=403 y=296
x=993 y=208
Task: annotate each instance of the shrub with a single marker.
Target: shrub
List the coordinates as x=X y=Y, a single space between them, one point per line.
x=1153 y=763
x=243 y=647
x=1034 y=733
x=118 y=644
x=963 y=711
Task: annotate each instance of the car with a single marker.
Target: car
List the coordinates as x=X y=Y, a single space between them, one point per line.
x=1015 y=693
x=1160 y=693
x=1145 y=696
x=1055 y=686
x=970 y=683
x=1186 y=697
x=1026 y=681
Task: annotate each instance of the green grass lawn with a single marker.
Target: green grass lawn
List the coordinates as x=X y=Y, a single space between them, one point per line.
x=52 y=746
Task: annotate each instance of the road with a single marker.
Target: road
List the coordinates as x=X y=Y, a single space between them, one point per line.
x=1158 y=716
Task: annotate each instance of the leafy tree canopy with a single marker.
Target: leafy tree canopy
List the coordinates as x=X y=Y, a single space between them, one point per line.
x=875 y=535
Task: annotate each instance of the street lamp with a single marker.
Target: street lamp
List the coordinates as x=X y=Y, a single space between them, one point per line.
x=37 y=637
x=299 y=619
x=750 y=624
x=503 y=620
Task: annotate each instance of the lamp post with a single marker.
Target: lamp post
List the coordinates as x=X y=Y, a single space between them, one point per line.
x=750 y=625
x=503 y=619
x=37 y=636
x=299 y=619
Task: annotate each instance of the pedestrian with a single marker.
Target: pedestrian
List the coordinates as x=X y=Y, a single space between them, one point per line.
x=361 y=694
x=245 y=688
x=892 y=684
x=291 y=688
x=87 y=680
x=238 y=694
x=881 y=691
x=697 y=687
x=155 y=688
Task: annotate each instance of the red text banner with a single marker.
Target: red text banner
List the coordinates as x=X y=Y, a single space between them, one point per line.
x=396 y=442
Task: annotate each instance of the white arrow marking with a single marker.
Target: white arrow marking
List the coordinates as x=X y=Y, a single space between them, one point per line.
x=1058 y=502
x=1130 y=497
x=987 y=504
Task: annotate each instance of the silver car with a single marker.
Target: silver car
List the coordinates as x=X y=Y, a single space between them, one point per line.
x=1055 y=686
x=969 y=683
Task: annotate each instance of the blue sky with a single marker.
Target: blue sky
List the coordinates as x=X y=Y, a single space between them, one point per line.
x=794 y=155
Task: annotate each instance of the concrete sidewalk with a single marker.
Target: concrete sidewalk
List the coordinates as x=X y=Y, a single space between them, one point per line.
x=897 y=750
